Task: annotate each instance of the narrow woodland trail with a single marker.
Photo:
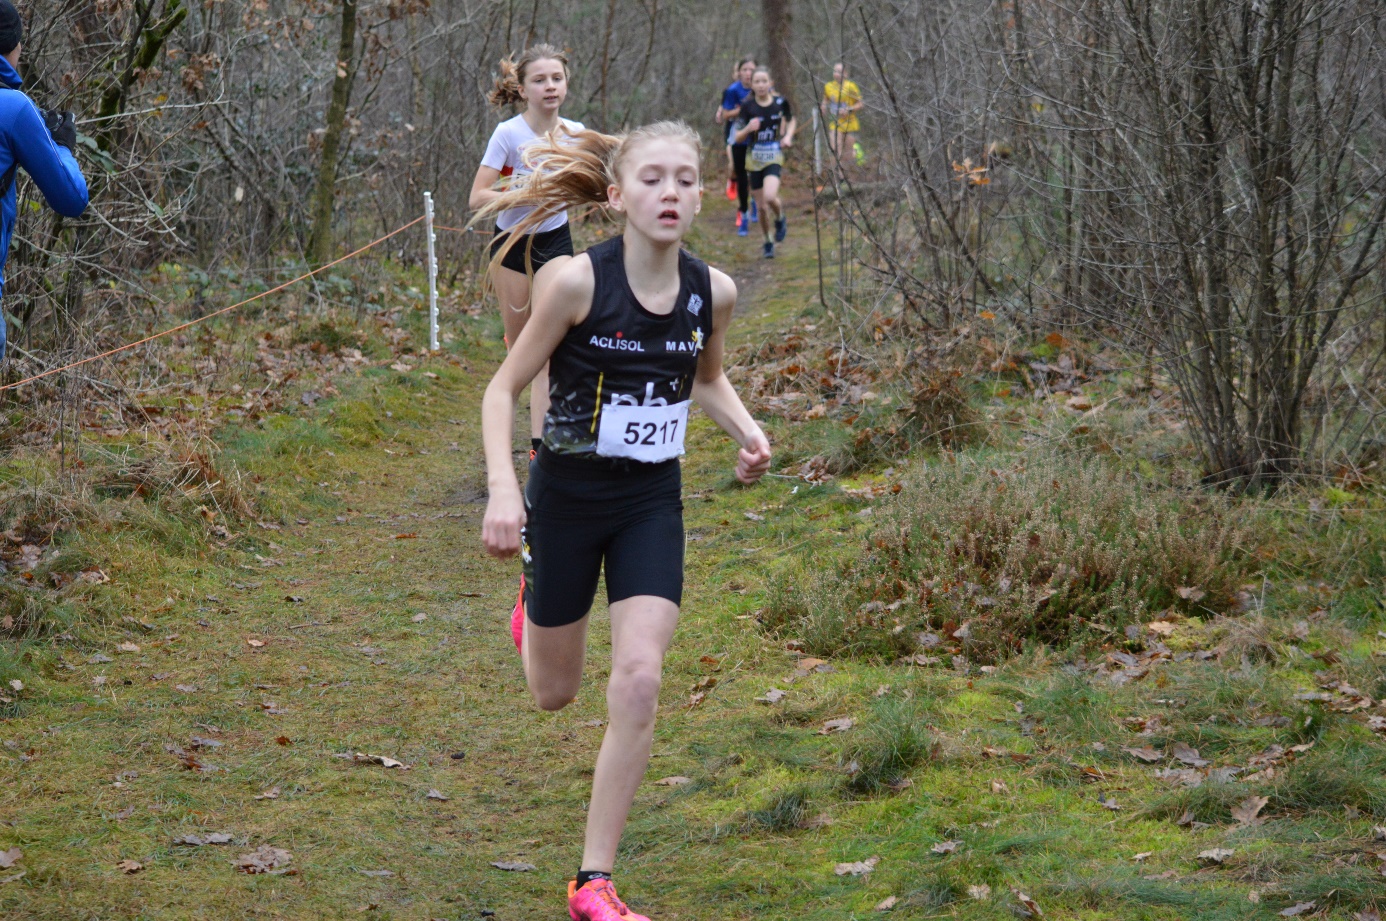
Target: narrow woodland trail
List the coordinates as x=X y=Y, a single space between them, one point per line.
x=240 y=705
x=330 y=697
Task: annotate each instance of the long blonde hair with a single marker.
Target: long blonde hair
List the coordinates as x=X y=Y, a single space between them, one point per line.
x=573 y=171
x=506 y=90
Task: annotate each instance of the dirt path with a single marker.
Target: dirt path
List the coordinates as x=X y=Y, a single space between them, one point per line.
x=379 y=628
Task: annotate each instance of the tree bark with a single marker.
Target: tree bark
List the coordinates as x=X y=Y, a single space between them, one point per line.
x=144 y=48
x=779 y=29
x=320 y=246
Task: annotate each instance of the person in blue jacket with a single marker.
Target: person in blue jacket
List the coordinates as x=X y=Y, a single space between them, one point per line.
x=41 y=142
x=729 y=114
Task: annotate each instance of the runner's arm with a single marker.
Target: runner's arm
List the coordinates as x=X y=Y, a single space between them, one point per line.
x=790 y=127
x=484 y=187
x=559 y=306
x=716 y=395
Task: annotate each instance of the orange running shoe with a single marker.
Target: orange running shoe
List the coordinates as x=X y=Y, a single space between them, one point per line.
x=597 y=901
x=517 y=616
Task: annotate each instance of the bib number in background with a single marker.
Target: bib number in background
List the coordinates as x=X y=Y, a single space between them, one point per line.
x=644 y=433
x=766 y=153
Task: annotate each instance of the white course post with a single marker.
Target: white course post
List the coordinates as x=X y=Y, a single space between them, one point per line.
x=432 y=273
x=817 y=142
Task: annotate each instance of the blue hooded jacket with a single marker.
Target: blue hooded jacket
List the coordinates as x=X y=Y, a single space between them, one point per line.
x=24 y=139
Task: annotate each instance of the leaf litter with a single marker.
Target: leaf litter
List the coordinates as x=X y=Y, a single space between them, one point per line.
x=265 y=859
x=857 y=868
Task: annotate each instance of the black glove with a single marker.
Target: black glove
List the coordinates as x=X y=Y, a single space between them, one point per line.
x=63 y=127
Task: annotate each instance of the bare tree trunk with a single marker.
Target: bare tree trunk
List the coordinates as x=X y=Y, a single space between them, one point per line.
x=779 y=30
x=320 y=243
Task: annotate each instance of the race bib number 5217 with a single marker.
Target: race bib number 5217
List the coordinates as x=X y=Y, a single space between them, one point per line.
x=643 y=433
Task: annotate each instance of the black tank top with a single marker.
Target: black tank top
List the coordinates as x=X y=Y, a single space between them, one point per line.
x=622 y=353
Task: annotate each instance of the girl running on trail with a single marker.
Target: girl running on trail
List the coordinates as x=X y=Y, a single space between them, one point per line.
x=540 y=80
x=729 y=113
x=769 y=129
x=841 y=102
x=632 y=329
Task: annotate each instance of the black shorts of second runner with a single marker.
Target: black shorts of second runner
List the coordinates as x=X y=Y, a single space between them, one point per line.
x=548 y=245
x=588 y=515
x=758 y=175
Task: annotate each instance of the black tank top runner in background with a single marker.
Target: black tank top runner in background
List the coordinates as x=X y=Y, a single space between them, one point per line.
x=622 y=352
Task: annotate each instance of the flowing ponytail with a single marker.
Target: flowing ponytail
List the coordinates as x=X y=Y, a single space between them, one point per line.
x=572 y=171
x=506 y=90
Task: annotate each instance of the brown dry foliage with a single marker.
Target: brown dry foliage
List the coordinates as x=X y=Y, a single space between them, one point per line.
x=1055 y=551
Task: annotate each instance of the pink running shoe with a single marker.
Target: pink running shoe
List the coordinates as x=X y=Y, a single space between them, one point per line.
x=517 y=617
x=597 y=901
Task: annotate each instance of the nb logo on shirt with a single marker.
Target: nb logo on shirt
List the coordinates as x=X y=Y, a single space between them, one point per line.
x=695 y=304
x=623 y=399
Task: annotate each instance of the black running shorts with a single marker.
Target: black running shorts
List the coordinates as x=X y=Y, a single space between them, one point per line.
x=548 y=246
x=586 y=513
x=758 y=175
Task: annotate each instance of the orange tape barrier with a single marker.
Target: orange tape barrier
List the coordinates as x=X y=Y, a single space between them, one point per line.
x=215 y=313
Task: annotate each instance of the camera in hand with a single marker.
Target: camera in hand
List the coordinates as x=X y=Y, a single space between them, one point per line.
x=62 y=126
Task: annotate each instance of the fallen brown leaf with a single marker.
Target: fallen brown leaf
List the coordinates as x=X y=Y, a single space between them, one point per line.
x=1298 y=908
x=439 y=796
x=1215 y=855
x=858 y=868
x=271 y=793
x=1188 y=755
x=1026 y=907
x=382 y=760
x=887 y=903
x=10 y=858
x=673 y=781
x=264 y=859
x=838 y=725
x=772 y=696
x=981 y=892
x=513 y=866
x=129 y=867
x=1145 y=753
x=1247 y=811
x=946 y=847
